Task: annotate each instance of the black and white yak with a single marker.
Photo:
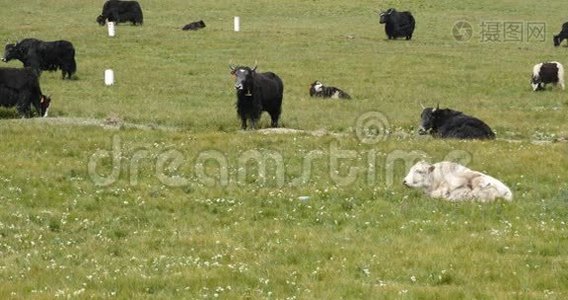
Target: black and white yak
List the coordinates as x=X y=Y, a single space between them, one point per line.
x=194 y=25
x=448 y=123
x=43 y=56
x=257 y=92
x=547 y=72
x=397 y=24
x=561 y=36
x=317 y=89
x=20 y=88
x=121 y=12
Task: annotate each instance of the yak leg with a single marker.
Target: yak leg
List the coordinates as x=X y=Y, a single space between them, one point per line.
x=253 y=123
x=275 y=116
x=243 y=123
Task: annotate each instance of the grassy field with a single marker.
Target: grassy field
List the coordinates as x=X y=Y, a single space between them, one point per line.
x=148 y=189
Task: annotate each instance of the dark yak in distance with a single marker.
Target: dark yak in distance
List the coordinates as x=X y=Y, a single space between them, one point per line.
x=397 y=24
x=561 y=36
x=448 y=123
x=20 y=88
x=121 y=12
x=43 y=56
x=194 y=25
x=257 y=92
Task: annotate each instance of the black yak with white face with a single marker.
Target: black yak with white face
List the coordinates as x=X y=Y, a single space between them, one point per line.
x=257 y=92
x=547 y=72
x=43 y=56
x=317 y=89
x=561 y=36
x=20 y=88
x=194 y=25
x=448 y=123
x=121 y=12
x=397 y=24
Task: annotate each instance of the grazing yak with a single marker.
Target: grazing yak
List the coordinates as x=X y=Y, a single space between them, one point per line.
x=454 y=182
x=448 y=123
x=20 y=88
x=397 y=24
x=317 y=89
x=43 y=56
x=121 y=12
x=257 y=92
x=561 y=36
x=194 y=25
x=547 y=72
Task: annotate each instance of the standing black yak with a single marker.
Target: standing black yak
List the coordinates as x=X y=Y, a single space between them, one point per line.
x=397 y=24
x=43 y=56
x=121 y=12
x=448 y=123
x=257 y=92
x=20 y=88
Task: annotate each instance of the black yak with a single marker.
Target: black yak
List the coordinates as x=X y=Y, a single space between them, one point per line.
x=121 y=12
x=194 y=25
x=448 y=123
x=20 y=88
x=561 y=36
x=397 y=24
x=317 y=89
x=257 y=92
x=547 y=72
x=43 y=56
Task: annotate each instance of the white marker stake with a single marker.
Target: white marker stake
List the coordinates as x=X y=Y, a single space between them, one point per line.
x=237 y=24
x=109 y=77
x=111 y=31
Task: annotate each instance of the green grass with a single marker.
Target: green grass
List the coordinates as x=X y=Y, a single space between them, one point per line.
x=172 y=224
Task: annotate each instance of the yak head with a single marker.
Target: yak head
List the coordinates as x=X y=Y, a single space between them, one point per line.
x=44 y=103
x=384 y=16
x=11 y=51
x=419 y=175
x=101 y=20
x=556 y=40
x=243 y=79
x=316 y=87
x=428 y=119
x=536 y=83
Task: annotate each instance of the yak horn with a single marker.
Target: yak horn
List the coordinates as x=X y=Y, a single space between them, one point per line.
x=422 y=105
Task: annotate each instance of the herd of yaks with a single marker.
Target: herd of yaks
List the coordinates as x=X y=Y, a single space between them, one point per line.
x=258 y=92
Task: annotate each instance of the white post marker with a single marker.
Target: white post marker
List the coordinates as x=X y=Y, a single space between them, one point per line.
x=111 y=29
x=237 y=24
x=109 y=77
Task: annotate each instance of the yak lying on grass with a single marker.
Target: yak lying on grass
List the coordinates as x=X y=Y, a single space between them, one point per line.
x=317 y=89
x=448 y=123
x=194 y=25
x=454 y=182
x=20 y=88
x=121 y=12
x=257 y=92
x=43 y=56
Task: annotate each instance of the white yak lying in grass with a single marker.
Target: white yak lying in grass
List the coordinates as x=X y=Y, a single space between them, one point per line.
x=455 y=182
